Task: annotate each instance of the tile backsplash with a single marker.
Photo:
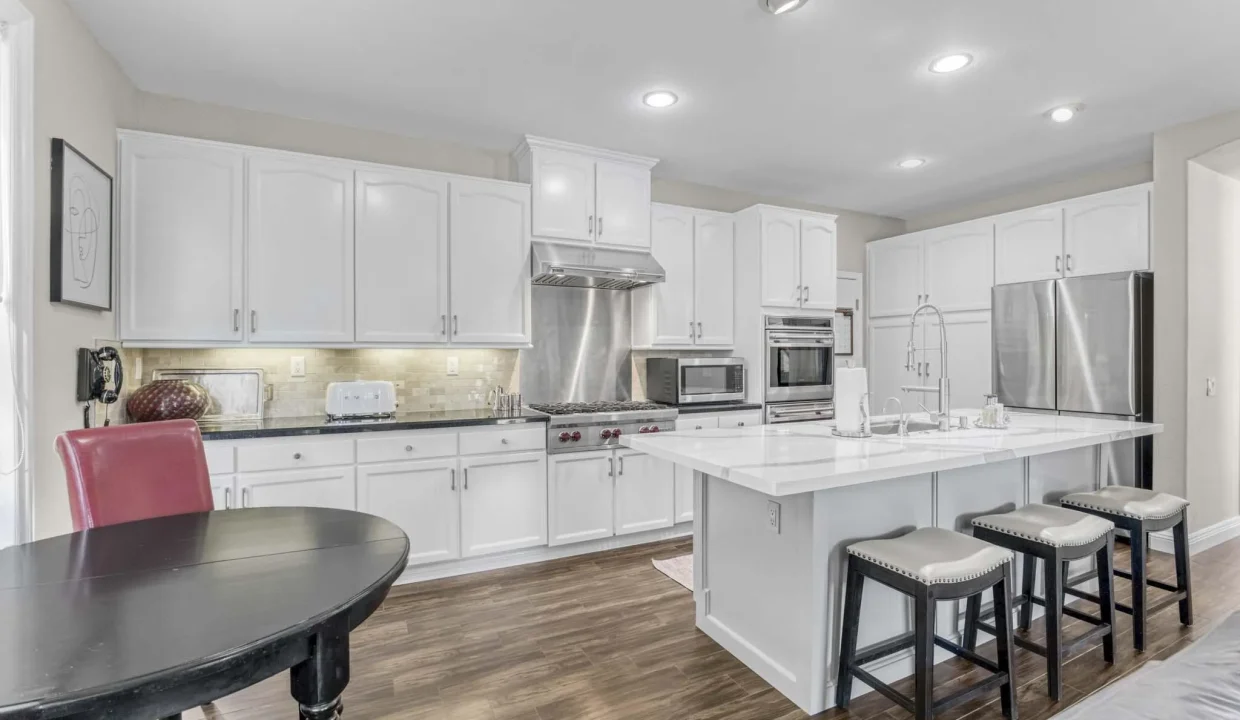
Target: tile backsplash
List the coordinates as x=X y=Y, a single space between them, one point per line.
x=427 y=385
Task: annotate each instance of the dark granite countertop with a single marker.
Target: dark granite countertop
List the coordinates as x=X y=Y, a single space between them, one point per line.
x=735 y=406
x=320 y=425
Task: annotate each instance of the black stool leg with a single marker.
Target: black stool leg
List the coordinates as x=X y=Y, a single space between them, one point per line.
x=1030 y=577
x=1183 y=571
x=1003 y=643
x=1106 y=594
x=972 y=612
x=923 y=660
x=848 y=633
x=1054 y=618
x=1137 y=540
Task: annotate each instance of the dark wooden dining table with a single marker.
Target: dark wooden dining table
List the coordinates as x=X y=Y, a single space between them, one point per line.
x=147 y=619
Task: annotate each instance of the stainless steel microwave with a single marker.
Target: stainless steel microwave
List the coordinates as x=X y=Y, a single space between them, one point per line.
x=685 y=381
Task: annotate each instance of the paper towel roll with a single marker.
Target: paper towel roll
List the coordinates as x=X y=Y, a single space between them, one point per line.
x=850 y=385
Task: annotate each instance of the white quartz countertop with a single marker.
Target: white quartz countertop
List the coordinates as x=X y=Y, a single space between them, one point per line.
x=803 y=457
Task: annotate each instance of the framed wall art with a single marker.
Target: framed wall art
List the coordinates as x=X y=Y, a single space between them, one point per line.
x=81 y=229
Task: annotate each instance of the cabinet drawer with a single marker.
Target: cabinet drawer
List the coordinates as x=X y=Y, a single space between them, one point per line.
x=406 y=446
x=220 y=457
x=529 y=437
x=307 y=453
x=740 y=419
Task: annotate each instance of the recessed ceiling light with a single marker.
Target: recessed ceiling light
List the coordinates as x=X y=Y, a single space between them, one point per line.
x=951 y=63
x=911 y=163
x=779 y=7
x=1065 y=113
x=660 y=99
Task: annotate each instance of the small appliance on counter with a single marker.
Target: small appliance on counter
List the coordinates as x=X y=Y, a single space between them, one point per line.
x=361 y=400
x=688 y=381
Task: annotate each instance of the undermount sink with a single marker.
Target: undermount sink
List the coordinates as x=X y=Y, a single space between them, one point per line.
x=892 y=427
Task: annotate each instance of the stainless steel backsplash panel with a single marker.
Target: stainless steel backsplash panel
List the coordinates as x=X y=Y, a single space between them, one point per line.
x=582 y=346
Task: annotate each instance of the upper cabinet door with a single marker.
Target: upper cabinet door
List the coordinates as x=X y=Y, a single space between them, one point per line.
x=300 y=272
x=1029 y=245
x=489 y=248
x=402 y=258
x=781 y=258
x=714 y=280
x=622 y=196
x=1108 y=232
x=818 y=264
x=181 y=226
x=671 y=230
x=960 y=266
x=894 y=269
x=563 y=192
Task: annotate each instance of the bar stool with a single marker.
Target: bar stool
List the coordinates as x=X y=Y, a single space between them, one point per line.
x=1141 y=512
x=1056 y=536
x=929 y=564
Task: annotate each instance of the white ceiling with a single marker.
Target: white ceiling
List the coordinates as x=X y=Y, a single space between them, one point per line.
x=817 y=105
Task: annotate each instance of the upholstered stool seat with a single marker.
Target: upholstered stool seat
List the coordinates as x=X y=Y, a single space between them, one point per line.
x=1128 y=501
x=1056 y=536
x=1141 y=512
x=929 y=564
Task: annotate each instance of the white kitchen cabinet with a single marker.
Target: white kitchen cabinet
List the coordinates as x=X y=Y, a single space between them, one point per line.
x=747 y=418
x=331 y=487
x=1029 y=245
x=959 y=266
x=580 y=490
x=299 y=279
x=224 y=491
x=848 y=296
x=503 y=502
x=490 y=263
x=968 y=359
x=714 y=273
x=1109 y=232
x=781 y=258
x=645 y=492
x=622 y=204
x=181 y=211
x=894 y=274
x=421 y=498
x=818 y=247
x=586 y=194
x=887 y=353
x=683 y=475
x=401 y=252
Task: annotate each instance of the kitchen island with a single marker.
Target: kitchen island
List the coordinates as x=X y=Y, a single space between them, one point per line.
x=777 y=505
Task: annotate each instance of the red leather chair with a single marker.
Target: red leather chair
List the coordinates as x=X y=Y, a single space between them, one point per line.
x=132 y=472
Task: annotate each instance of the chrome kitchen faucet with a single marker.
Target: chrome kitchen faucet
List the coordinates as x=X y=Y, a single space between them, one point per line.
x=944 y=418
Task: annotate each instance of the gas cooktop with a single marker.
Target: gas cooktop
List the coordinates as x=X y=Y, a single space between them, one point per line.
x=575 y=427
x=593 y=408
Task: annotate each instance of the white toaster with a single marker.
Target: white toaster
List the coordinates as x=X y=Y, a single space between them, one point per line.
x=361 y=398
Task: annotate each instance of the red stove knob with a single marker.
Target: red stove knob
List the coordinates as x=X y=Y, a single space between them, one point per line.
x=605 y=434
x=576 y=436
x=564 y=437
x=615 y=433
x=643 y=429
x=654 y=428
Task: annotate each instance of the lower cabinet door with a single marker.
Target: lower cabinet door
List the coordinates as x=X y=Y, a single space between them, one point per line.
x=645 y=492
x=503 y=502
x=331 y=487
x=683 y=503
x=422 y=499
x=580 y=487
x=224 y=491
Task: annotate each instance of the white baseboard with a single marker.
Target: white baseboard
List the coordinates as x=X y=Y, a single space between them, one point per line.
x=452 y=568
x=1203 y=539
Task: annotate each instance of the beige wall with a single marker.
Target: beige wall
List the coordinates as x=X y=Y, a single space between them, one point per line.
x=1087 y=184
x=80 y=95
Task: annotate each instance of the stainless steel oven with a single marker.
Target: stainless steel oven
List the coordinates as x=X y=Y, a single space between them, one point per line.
x=790 y=412
x=685 y=381
x=800 y=359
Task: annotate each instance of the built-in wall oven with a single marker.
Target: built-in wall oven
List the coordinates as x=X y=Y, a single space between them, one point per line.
x=799 y=369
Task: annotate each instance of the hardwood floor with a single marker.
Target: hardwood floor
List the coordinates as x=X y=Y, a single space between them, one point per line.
x=607 y=636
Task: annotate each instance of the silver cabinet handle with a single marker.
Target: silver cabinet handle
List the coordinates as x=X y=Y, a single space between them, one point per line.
x=740 y=424
x=699 y=329
x=918 y=369
x=600 y=226
x=456 y=326
x=503 y=441
x=1068 y=262
x=408 y=448
x=466 y=472
x=453 y=471
x=611 y=467
x=919 y=298
x=697 y=427
x=927 y=368
x=927 y=297
x=253 y=321
x=690 y=329
x=799 y=293
x=590 y=222
x=1058 y=266
x=245 y=497
x=443 y=324
x=296 y=456
x=857 y=304
x=805 y=297
x=621 y=458
x=236 y=320
x=227 y=498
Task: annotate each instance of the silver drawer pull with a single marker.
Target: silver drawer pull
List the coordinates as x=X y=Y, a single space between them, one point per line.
x=227 y=498
x=503 y=441
x=236 y=320
x=453 y=471
x=697 y=427
x=296 y=456
x=408 y=448
x=245 y=497
x=740 y=424
x=466 y=471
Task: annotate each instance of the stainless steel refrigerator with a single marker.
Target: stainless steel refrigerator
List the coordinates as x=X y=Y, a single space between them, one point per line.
x=1081 y=346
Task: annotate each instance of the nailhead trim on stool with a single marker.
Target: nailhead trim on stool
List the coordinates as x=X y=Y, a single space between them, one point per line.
x=1048 y=518
x=985 y=557
x=1120 y=500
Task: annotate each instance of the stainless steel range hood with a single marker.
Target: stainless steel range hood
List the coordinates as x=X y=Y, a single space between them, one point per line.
x=593 y=267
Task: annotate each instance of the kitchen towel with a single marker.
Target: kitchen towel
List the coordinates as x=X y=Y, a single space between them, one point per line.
x=850 y=385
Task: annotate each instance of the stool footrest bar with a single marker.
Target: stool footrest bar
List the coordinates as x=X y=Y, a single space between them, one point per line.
x=883 y=649
x=882 y=688
x=969 y=655
x=965 y=694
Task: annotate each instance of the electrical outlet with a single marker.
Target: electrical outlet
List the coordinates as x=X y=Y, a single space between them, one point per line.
x=297 y=366
x=772 y=515
x=454 y=366
x=1211 y=387
x=398 y=384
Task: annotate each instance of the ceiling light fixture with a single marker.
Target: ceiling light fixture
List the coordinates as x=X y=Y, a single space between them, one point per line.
x=660 y=99
x=951 y=63
x=1064 y=113
x=779 y=7
x=911 y=163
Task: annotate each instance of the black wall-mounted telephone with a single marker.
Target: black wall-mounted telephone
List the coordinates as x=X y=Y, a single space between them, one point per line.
x=100 y=377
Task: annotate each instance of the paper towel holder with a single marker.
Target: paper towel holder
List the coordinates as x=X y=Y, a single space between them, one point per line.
x=865 y=422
